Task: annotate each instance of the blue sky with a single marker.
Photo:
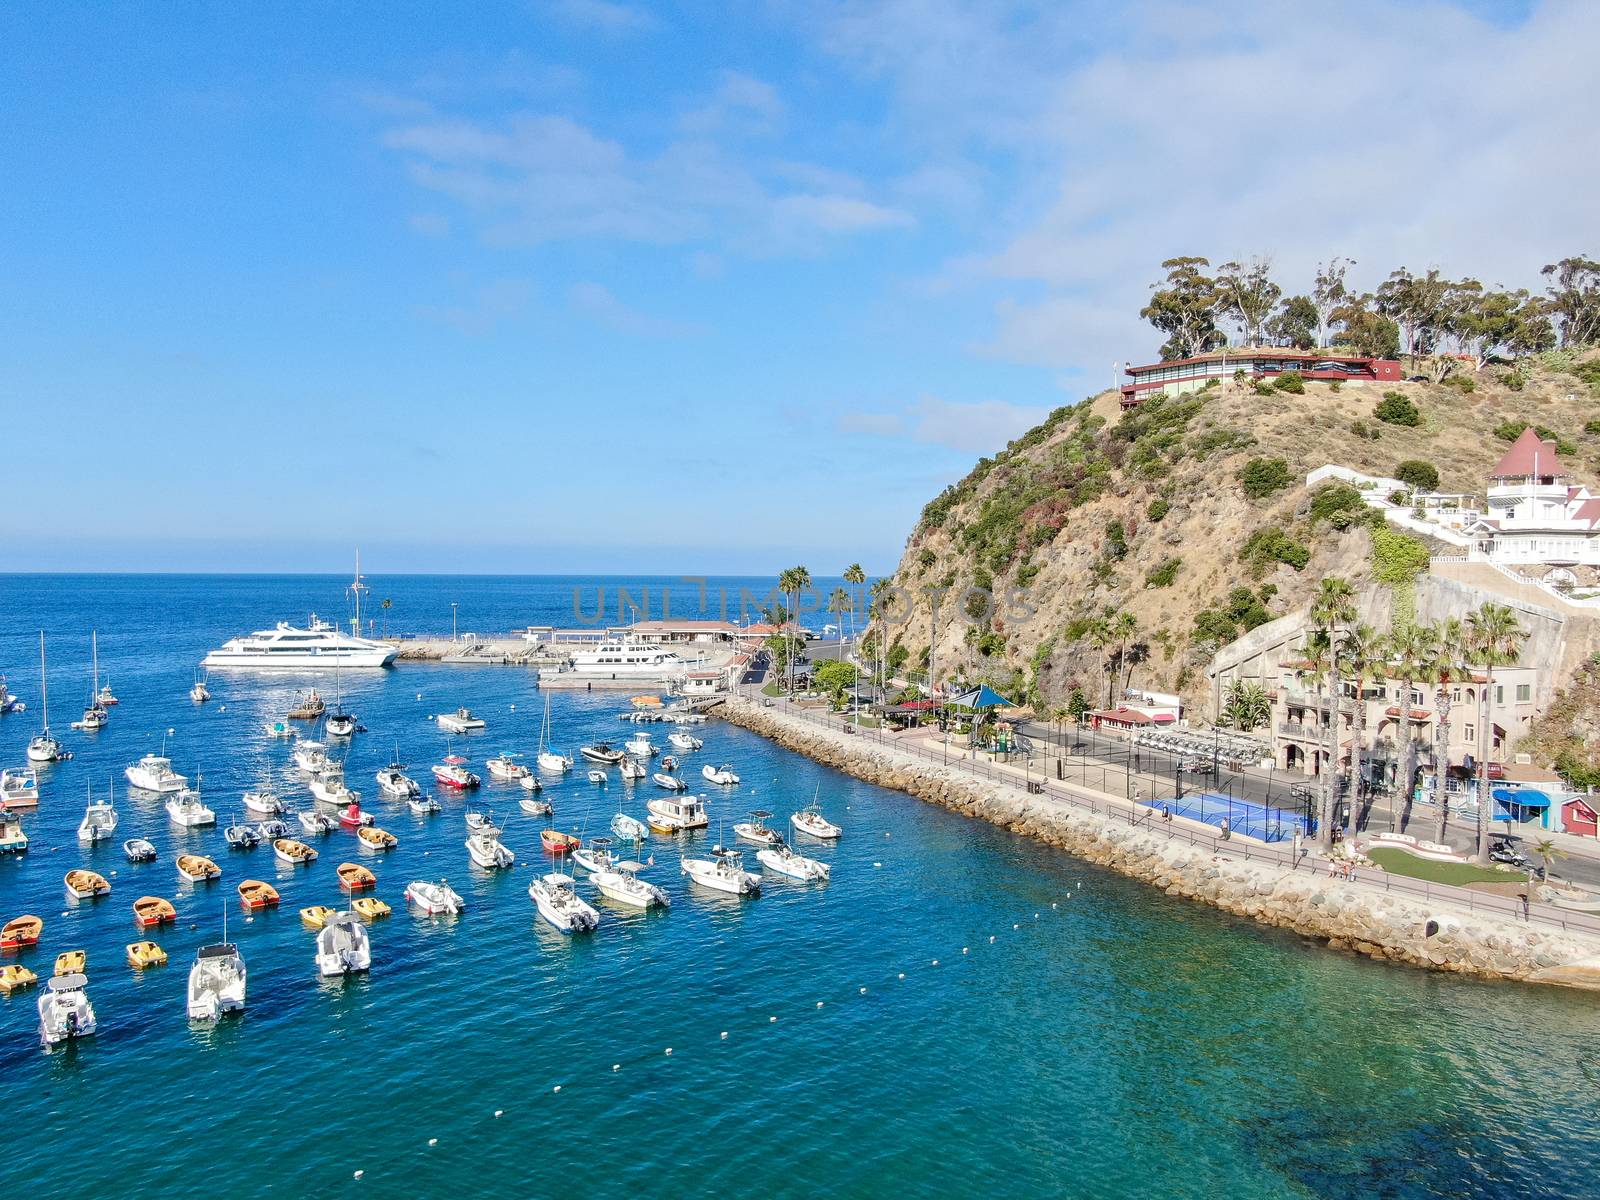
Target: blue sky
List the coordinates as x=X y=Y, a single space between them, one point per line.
x=592 y=285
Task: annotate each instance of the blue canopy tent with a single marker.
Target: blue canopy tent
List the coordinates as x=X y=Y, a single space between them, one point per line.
x=1522 y=805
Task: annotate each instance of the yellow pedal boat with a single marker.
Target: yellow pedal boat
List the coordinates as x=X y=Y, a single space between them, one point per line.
x=371 y=907
x=72 y=962
x=317 y=915
x=13 y=976
x=146 y=954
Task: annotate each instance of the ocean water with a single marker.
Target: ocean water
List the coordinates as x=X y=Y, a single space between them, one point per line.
x=1030 y=1026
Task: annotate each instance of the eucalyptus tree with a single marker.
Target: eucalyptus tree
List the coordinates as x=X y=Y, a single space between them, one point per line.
x=1185 y=309
x=1574 y=298
x=1329 y=294
x=1332 y=608
x=1494 y=639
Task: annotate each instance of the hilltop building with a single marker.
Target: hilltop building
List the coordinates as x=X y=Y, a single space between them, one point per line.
x=1192 y=374
x=1536 y=514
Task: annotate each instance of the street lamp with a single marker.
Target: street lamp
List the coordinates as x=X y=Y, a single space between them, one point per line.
x=452 y=620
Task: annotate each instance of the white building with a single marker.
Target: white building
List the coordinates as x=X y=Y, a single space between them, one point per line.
x=1536 y=514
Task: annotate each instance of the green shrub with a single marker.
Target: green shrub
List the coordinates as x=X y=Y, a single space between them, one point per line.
x=1116 y=540
x=1362 y=430
x=1164 y=574
x=1395 y=409
x=1419 y=473
x=1214 y=627
x=1400 y=497
x=1158 y=509
x=1292 y=382
x=1510 y=429
x=1213 y=440
x=1339 y=504
x=1462 y=383
x=1591 y=427
x=926 y=558
x=1514 y=381
x=1261 y=477
x=1263 y=388
x=1397 y=557
x=1336 y=385
x=1557 y=360
x=1270 y=545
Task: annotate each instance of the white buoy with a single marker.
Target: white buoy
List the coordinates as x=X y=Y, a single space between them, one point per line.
x=963 y=949
x=863 y=991
x=1035 y=916
x=902 y=974
x=936 y=962
x=772 y=1020
x=669 y=1049
x=558 y=1087
x=616 y=1066
x=359 y=1174
x=498 y=1111
x=1016 y=927
x=819 y=1003
x=433 y=1141
x=991 y=939
x=877 y=864
x=249 y=920
x=1052 y=904
x=724 y=1035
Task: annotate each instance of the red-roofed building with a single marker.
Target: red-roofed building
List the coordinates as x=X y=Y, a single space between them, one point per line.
x=1537 y=515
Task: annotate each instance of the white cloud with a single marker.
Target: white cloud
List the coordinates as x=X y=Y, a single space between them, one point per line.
x=837 y=214
x=978 y=428
x=606 y=16
x=741 y=105
x=595 y=301
x=429 y=224
x=490 y=306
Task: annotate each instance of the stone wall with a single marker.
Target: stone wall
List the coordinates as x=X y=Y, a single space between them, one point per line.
x=1349 y=916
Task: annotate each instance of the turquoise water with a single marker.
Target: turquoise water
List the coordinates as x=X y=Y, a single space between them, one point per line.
x=1122 y=1044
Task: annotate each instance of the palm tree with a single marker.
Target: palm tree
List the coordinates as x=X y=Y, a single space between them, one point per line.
x=838 y=605
x=1444 y=668
x=1494 y=639
x=1099 y=636
x=1332 y=608
x=1412 y=647
x=387 y=605
x=1366 y=650
x=791 y=583
x=1248 y=707
x=1548 y=852
x=855 y=576
x=1123 y=629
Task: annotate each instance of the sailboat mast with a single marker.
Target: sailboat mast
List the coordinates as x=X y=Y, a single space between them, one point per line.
x=44 y=683
x=94 y=652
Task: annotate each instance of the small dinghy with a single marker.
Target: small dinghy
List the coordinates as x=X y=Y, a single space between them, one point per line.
x=197 y=868
x=723 y=872
x=785 y=861
x=86 y=885
x=632 y=770
x=596 y=775
x=721 y=775
x=343 y=947
x=530 y=783
x=629 y=829
x=20 y=931
x=556 y=842
x=153 y=910
x=755 y=829
x=434 y=898
x=316 y=915
x=353 y=877
x=64 y=1011
x=535 y=807
x=242 y=837
x=138 y=850
x=685 y=741
x=146 y=954
x=317 y=823
x=559 y=904
x=507 y=766
x=72 y=962
x=424 y=806
x=477 y=821
x=271 y=831
x=254 y=894
x=293 y=853
x=601 y=752
x=485 y=848
x=671 y=782
x=596 y=856
x=622 y=884
x=375 y=839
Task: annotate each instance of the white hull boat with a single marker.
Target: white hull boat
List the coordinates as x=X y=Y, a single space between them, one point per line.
x=674 y=813
x=671 y=782
x=685 y=741
x=311 y=757
x=507 y=767
x=330 y=789
x=154 y=773
x=485 y=848
x=186 y=809
x=560 y=905
x=396 y=784
x=596 y=856
x=640 y=746
x=317 y=823
x=216 y=982
x=138 y=850
x=722 y=775
x=632 y=770
x=755 y=830
x=812 y=823
x=343 y=947
x=629 y=829
x=319 y=647
x=554 y=764
x=622 y=884
x=601 y=752
x=64 y=1010
x=534 y=806
x=19 y=788
x=99 y=823
x=263 y=804
x=596 y=775
x=271 y=830
x=723 y=872
x=460 y=721
x=785 y=861
x=434 y=898
x=424 y=806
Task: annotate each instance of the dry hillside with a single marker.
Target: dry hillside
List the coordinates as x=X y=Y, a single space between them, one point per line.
x=1096 y=513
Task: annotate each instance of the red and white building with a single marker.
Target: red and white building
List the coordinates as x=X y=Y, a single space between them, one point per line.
x=1192 y=374
x=1536 y=514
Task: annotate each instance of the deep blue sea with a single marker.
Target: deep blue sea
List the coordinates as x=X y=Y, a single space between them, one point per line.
x=1030 y=1026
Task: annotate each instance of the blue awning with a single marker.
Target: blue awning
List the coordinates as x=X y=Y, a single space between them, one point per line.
x=1522 y=797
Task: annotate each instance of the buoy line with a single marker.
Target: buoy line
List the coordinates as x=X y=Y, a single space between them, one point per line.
x=555 y=1089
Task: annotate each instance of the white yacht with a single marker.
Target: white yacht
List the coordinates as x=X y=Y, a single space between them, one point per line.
x=329 y=787
x=672 y=813
x=19 y=788
x=311 y=756
x=723 y=872
x=396 y=784
x=640 y=745
x=64 y=1010
x=722 y=775
x=342 y=946
x=216 y=981
x=507 y=765
x=810 y=821
x=99 y=821
x=485 y=848
x=685 y=741
x=628 y=660
x=187 y=809
x=434 y=898
x=622 y=884
x=785 y=861
x=561 y=905
x=264 y=802
x=461 y=721
x=596 y=856
x=154 y=773
x=286 y=646
x=755 y=829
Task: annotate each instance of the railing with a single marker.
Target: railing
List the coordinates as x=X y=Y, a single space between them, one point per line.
x=1106 y=804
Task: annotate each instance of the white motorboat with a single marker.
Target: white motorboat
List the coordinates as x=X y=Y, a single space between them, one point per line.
x=627 y=659
x=12 y=839
x=671 y=782
x=64 y=1010
x=199 y=693
x=561 y=905
x=343 y=946
x=154 y=773
x=723 y=871
x=241 y=837
x=424 y=806
x=44 y=747
x=8 y=702
x=263 y=802
x=278 y=729
x=434 y=898
x=460 y=721
x=672 y=813
x=311 y=757
x=316 y=822
x=784 y=861
x=99 y=821
x=685 y=741
x=217 y=979
x=534 y=806
x=596 y=775
x=596 y=856
x=721 y=775
x=622 y=884
x=105 y=697
x=629 y=829
x=139 y=850
x=396 y=784
x=507 y=766
x=477 y=820
x=601 y=752
x=632 y=769
x=755 y=829
x=640 y=746
x=329 y=787
x=810 y=821
x=271 y=829
x=19 y=789
x=188 y=810
x=453 y=773
x=320 y=646
x=485 y=848
x=554 y=764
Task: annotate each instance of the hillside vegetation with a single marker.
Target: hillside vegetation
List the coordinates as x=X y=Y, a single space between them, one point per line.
x=1143 y=540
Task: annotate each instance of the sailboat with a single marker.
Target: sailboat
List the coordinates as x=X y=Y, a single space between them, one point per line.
x=44 y=748
x=549 y=760
x=95 y=716
x=217 y=978
x=340 y=723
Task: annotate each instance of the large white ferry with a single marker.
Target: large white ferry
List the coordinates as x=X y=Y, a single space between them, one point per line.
x=320 y=645
x=628 y=660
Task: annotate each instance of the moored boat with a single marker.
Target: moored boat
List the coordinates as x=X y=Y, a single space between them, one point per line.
x=188 y=810
x=12 y=839
x=197 y=868
x=485 y=848
x=632 y=769
x=146 y=954
x=685 y=741
x=559 y=904
x=423 y=806
x=154 y=773
x=316 y=823
x=86 y=885
x=720 y=775
x=316 y=915
x=72 y=962
x=353 y=877
x=241 y=837
x=263 y=802
x=755 y=829
x=629 y=829
x=343 y=946
x=21 y=931
x=370 y=908
x=556 y=842
x=352 y=817
x=507 y=766
x=672 y=813
x=256 y=893
x=621 y=883
x=784 y=861
x=723 y=871
x=308 y=707
x=64 y=1010
x=139 y=850
x=534 y=806
x=311 y=757
x=217 y=981
x=596 y=856
x=14 y=976
x=602 y=752
x=296 y=854
x=596 y=775
x=460 y=721
x=670 y=782
x=19 y=789
x=153 y=910
x=453 y=773
x=396 y=784
x=434 y=898
x=373 y=838
x=810 y=821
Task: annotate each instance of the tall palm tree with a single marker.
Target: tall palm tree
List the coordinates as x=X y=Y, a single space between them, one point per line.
x=1315 y=654
x=838 y=605
x=1099 y=636
x=1444 y=669
x=855 y=576
x=1413 y=647
x=876 y=612
x=1494 y=639
x=1124 y=627
x=792 y=582
x=1332 y=608
x=1365 y=650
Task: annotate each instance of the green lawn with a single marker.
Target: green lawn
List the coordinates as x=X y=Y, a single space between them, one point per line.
x=1401 y=863
x=771 y=689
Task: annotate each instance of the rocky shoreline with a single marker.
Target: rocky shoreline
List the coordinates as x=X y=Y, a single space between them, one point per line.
x=1346 y=916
